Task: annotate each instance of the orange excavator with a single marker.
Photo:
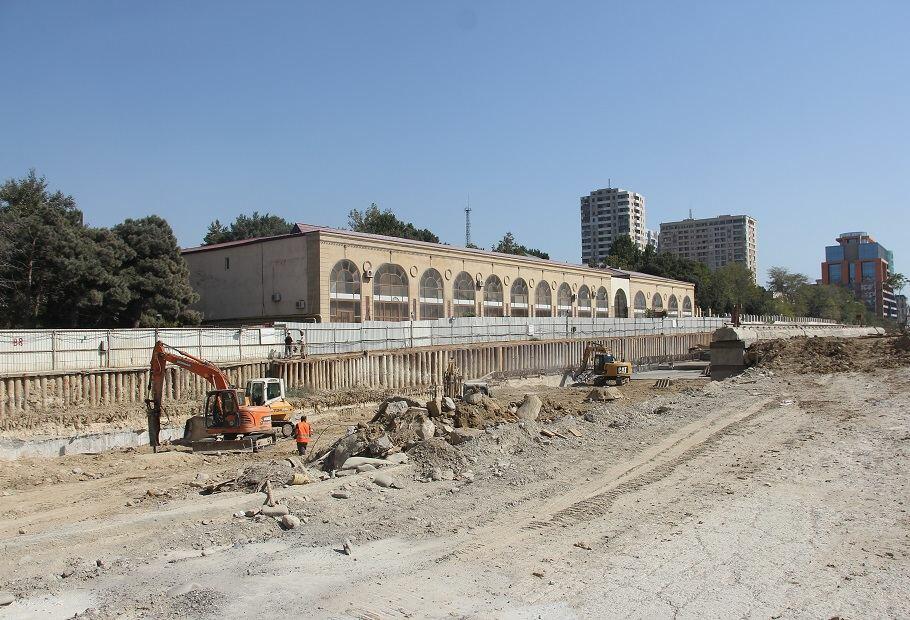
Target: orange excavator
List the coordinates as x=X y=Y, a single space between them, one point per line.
x=230 y=422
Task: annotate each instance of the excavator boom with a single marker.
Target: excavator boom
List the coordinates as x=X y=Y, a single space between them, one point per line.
x=162 y=354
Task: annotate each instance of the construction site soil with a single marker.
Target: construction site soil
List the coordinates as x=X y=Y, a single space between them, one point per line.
x=779 y=493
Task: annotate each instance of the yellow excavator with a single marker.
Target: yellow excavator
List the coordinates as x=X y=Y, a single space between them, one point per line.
x=598 y=367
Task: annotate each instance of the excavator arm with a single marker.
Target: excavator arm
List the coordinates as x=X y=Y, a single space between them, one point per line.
x=162 y=354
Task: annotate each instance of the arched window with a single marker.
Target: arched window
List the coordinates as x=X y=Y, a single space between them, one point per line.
x=519 y=300
x=431 y=301
x=344 y=293
x=492 y=297
x=584 y=302
x=390 y=294
x=564 y=300
x=543 y=299
x=672 y=306
x=657 y=302
x=641 y=306
x=621 y=305
x=603 y=302
x=464 y=295
x=687 y=306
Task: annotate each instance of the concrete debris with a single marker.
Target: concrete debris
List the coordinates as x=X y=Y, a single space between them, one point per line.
x=530 y=407
x=274 y=511
x=356 y=461
x=589 y=417
x=6 y=599
x=365 y=468
x=426 y=429
x=251 y=513
x=290 y=522
x=398 y=458
x=448 y=404
x=347 y=547
x=386 y=481
x=474 y=398
x=583 y=545
x=340 y=495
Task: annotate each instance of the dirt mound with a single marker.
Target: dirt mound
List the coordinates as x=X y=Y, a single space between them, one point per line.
x=826 y=355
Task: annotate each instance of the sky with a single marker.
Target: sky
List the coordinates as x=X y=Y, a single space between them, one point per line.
x=795 y=113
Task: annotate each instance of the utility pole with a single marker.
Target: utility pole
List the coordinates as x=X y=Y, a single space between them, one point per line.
x=467 y=223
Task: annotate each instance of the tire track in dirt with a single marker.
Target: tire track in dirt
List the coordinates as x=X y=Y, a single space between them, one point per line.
x=588 y=501
x=600 y=504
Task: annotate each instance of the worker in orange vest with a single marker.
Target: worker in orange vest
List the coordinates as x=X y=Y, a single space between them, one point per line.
x=303 y=435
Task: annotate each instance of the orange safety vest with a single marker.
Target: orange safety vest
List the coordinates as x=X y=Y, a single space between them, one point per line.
x=303 y=432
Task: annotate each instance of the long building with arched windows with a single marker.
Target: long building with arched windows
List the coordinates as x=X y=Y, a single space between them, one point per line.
x=325 y=274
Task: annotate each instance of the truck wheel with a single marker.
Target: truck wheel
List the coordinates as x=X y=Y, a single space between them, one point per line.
x=287 y=429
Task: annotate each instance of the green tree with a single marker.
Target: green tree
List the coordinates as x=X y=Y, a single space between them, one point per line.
x=41 y=238
x=896 y=281
x=247 y=227
x=785 y=283
x=57 y=272
x=508 y=245
x=377 y=222
x=625 y=254
x=156 y=275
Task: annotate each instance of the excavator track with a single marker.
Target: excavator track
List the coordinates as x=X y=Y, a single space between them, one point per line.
x=253 y=442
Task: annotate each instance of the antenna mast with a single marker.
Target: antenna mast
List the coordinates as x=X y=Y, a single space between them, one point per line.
x=467 y=223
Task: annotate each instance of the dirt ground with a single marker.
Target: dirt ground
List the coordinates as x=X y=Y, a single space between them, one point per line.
x=779 y=493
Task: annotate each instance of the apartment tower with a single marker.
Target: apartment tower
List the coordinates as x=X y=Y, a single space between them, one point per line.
x=606 y=215
x=714 y=241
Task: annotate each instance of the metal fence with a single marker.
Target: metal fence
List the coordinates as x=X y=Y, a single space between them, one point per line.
x=34 y=350
x=25 y=351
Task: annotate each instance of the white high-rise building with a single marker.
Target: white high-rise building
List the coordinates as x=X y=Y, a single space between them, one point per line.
x=607 y=214
x=714 y=241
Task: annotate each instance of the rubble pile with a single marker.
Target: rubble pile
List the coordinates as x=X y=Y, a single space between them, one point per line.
x=426 y=430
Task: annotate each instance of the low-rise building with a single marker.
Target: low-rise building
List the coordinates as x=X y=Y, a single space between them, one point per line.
x=714 y=241
x=325 y=274
x=864 y=265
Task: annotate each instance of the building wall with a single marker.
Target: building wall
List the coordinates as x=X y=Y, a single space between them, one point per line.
x=607 y=214
x=450 y=262
x=236 y=283
x=667 y=294
x=714 y=241
x=267 y=280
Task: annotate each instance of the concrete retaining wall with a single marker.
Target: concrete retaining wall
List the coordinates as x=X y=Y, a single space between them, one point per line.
x=49 y=403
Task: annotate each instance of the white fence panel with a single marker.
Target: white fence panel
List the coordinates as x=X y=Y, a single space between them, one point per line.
x=24 y=351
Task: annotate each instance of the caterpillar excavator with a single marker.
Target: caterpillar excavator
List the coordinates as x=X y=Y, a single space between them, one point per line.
x=231 y=421
x=603 y=367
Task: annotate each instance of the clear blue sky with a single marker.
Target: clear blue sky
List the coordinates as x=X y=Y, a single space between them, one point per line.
x=793 y=112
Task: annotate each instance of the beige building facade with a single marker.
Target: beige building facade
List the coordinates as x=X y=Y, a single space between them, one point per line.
x=324 y=274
